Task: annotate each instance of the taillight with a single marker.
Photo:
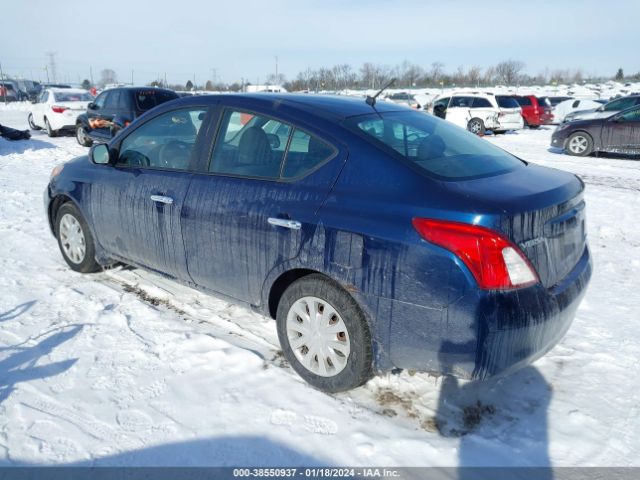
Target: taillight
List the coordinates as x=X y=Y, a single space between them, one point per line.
x=495 y=262
x=58 y=108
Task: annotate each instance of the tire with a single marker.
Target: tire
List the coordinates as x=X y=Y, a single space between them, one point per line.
x=75 y=240
x=32 y=124
x=476 y=126
x=82 y=137
x=350 y=364
x=499 y=132
x=50 y=131
x=579 y=144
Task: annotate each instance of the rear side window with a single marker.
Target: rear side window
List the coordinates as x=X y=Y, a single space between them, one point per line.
x=524 y=101
x=253 y=145
x=480 y=102
x=147 y=99
x=437 y=147
x=620 y=104
x=544 y=102
x=505 y=101
x=305 y=153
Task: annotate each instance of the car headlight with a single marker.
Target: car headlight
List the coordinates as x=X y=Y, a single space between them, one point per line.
x=57 y=170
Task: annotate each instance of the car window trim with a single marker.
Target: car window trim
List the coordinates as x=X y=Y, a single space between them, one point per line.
x=223 y=109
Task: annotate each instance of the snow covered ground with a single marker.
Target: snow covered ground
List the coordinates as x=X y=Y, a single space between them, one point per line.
x=125 y=368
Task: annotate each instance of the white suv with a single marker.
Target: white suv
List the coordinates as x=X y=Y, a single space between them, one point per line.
x=478 y=112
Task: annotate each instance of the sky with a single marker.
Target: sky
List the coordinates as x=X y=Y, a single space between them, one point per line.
x=231 y=40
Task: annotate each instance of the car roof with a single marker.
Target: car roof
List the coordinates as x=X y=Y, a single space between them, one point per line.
x=326 y=106
x=137 y=89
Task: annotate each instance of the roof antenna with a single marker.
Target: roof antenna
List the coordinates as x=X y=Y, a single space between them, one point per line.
x=372 y=100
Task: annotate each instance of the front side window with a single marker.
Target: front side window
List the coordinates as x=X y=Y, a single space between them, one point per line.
x=620 y=104
x=438 y=148
x=100 y=100
x=461 y=102
x=632 y=115
x=166 y=141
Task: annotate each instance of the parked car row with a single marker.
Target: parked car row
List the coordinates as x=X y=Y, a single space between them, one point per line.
x=98 y=119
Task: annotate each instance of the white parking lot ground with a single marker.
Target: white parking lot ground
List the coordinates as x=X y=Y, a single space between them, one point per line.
x=125 y=368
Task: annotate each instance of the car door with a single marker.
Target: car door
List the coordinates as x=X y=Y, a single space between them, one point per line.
x=458 y=111
x=621 y=133
x=256 y=204
x=138 y=202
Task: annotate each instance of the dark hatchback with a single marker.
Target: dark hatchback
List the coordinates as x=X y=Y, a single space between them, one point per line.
x=377 y=237
x=116 y=108
x=618 y=133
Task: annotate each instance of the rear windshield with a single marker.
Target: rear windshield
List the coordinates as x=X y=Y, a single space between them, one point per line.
x=436 y=146
x=523 y=101
x=72 y=97
x=506 y=102
x=147 y=99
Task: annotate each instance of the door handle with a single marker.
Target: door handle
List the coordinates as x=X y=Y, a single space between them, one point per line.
x=162 y=199
x=283 y=222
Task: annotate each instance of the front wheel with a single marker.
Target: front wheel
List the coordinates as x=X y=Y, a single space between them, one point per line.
x=32 y=124
x=50 y=131
x=476 y=126
x=324 y=334
x=82 y=137
x=579 y=144
x=75 y=240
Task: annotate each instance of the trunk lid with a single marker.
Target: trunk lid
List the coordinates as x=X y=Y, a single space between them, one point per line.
x=541 y=210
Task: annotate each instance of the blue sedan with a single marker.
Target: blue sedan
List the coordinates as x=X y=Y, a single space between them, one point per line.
x=376 y=236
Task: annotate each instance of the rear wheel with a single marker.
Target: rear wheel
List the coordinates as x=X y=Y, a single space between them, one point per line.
x=75 y=240
x=476 y=126
x=32 y=124
x=324 y=334
x=50 y=131
x=82 y=137
x=579 y=144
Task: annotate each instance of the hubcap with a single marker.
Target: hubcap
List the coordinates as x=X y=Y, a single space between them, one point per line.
x=72 y=238
x=80 y=135
x=318 y=336
x=474 y=127
x=578 y=144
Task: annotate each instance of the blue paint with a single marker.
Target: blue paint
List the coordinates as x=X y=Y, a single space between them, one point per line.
x=424 y=307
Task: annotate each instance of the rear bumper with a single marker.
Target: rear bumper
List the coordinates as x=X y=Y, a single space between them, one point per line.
x=489 y=333
x=504 y=125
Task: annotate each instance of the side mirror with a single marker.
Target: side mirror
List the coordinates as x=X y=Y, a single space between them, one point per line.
x=92 y=106
x=618 y=119
x=99 y=154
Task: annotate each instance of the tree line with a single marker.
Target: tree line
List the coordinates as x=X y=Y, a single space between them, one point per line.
x=407 y=75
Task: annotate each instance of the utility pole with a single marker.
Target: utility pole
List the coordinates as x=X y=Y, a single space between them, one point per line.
x=132 y=78
x=47 y=70
x=52 y=65
x=276 y=79
x=91 y=75
x=165 y=80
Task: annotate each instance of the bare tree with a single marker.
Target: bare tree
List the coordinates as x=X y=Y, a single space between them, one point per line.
x=473 y=75
x=436 y=72
x=508 y=71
